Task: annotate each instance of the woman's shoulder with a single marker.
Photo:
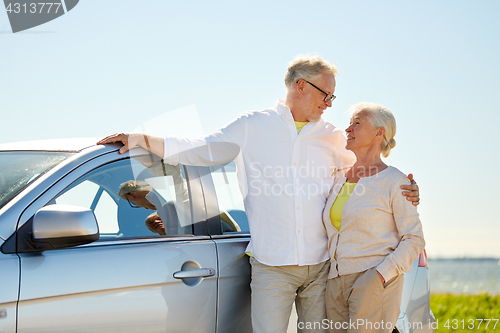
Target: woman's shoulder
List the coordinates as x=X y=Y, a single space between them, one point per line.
x=387 y=183
x=395 y=172
x=395 y=176
x=389 y=174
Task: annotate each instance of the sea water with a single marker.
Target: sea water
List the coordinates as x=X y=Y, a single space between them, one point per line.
x=465 y=276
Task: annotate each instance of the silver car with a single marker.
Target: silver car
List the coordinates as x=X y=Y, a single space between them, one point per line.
x=77 y=257
x=416 y=314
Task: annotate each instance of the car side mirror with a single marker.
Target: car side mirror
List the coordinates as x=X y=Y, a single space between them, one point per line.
x=60 y=226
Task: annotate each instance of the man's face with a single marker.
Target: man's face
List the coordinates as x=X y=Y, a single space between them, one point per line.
x=138 y=198
x=314 y=104
x=134 y=199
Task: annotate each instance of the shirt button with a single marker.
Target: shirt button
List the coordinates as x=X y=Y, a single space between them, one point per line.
x=294 y=164
x=298 y=208
x=298 y=232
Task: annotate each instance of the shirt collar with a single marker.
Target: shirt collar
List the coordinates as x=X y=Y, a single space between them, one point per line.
x=282 y=109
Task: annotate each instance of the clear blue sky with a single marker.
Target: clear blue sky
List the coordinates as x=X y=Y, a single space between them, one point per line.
x=109 y=66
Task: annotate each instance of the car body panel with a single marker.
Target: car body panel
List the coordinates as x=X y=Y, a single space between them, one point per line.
x=9 y=275
x=122 y=287
x=416 y=314
x=233 y=309
x=418 y=310
x=409 y=281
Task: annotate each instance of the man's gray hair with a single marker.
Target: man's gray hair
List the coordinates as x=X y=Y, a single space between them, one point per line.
x=133 y=186
x=307 y=67
x=379 y=116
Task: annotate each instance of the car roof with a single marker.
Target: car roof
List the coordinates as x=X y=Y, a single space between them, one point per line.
x=69 y=145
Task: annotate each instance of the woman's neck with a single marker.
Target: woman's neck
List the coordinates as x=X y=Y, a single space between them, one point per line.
x=366 y=165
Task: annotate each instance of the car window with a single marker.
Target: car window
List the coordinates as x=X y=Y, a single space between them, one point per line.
x=134 y=199
x=19 y=169
x=232 y=210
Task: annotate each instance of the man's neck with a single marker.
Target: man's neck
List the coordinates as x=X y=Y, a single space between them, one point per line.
x=293 y=110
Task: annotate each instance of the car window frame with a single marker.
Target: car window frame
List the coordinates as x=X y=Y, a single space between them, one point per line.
x=114 y=196
x=212 y=208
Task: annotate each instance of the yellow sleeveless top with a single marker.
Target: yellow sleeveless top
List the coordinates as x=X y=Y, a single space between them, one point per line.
x=338 y=205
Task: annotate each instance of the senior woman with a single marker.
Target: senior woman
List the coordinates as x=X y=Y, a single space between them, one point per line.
x=374 y=235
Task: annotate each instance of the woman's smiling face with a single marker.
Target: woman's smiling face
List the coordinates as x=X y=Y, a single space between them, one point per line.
x=361 y=133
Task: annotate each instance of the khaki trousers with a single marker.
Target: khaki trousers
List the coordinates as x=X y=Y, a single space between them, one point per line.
x=359 y=302
x=275 y=288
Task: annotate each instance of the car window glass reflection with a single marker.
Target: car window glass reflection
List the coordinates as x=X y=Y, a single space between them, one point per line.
x=104 y=208
x=130 y=199
x=232 y=210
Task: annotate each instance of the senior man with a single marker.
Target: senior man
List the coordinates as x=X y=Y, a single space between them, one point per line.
x=141 y=194
x=286 y=162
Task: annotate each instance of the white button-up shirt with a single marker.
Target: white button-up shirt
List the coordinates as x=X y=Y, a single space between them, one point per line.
x=285 y=178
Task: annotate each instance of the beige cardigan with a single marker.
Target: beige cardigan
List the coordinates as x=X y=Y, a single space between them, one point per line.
x=379 y=227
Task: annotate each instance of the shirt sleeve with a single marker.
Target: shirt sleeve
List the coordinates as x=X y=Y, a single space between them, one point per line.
x=410 y=233
x=220 y=147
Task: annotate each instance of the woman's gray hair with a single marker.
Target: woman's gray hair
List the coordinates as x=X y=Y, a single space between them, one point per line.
x=307 y=67
x=133 y=186
x=379 y=116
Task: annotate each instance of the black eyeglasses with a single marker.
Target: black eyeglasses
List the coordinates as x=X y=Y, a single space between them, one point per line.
x=132 y=205
x=328 y=97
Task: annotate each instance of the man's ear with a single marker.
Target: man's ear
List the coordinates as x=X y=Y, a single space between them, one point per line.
x=300 y=85
x=381 y=131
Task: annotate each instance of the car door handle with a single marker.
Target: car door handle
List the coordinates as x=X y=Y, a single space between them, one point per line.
x=195 y=273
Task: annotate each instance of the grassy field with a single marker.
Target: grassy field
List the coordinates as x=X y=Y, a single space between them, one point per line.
x=462 y=313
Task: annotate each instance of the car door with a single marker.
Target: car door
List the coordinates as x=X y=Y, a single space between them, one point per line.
x=228 y=226
x=9 y=275
x=131 y=280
